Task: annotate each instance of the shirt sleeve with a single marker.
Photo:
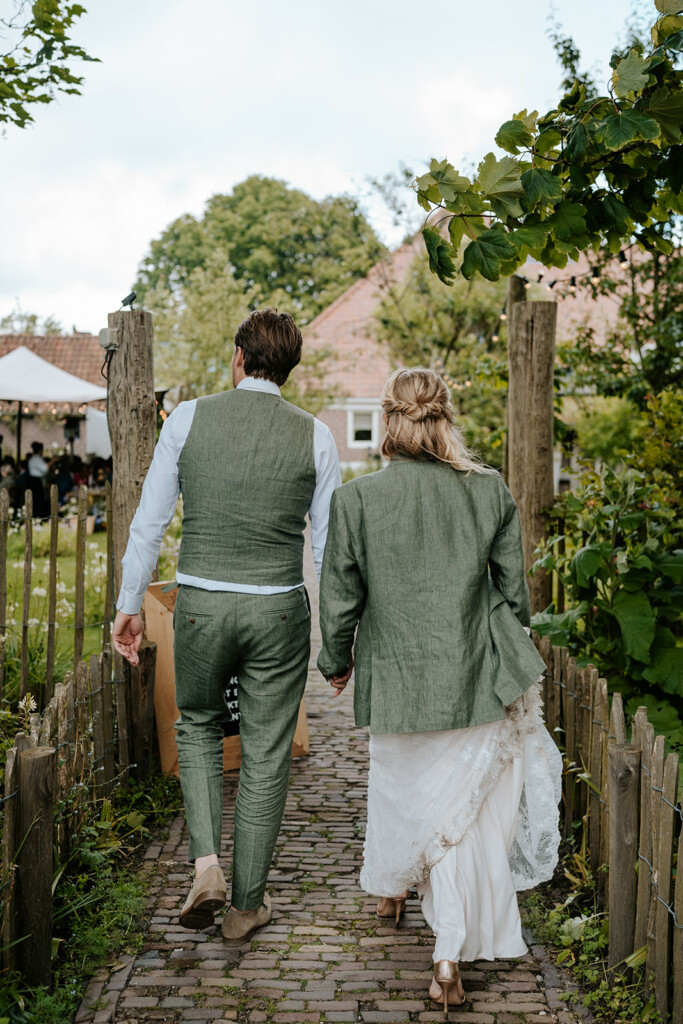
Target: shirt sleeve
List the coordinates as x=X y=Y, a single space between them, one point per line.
x=506 y=560
x=328 y=478
x=155 y=511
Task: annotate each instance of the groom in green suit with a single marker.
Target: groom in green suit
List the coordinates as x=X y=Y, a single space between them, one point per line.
x=250 y=467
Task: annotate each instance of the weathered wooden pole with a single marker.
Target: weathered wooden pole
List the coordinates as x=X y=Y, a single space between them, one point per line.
x=516 y=293
x=132 y=419
x=531 y=357
x=624 y=807
x=132 y=429
x=142 y=711
x=33 y=904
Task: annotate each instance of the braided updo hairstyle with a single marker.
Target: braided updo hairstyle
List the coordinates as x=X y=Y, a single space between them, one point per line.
x=421 y=421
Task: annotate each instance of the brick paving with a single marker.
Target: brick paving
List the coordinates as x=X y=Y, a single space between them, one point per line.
x=324 y=956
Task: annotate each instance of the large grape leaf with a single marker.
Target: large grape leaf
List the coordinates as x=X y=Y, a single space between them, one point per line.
x=666 y=669
x=499 y=181
x=518 y=133
x=636 y=621
x=667 y=109
x=446 y=179
x=569 y=221
x=541 y=186
x=616 y=213
x=617 y=130
x=531 y=236
x=485 y=254
x=664 y=28
x=631 y=74
x=440 y=255
x=669 y=6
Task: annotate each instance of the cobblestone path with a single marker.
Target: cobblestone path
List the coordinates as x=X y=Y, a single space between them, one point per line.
x=324 y=956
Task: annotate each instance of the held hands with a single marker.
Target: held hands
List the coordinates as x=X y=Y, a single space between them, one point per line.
x=338 y=683
x=127 y=636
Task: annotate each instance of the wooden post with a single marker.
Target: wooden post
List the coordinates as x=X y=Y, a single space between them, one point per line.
x=35 y=864
x=531 y=358
x=142 y=711
x=647 y=737
x=26 y=609
x=4 y=527
x=624 y=792
x=569 y=694
x=108 y=721
x=656 y=780
x=662 y=964
x=109 y=593
x=132 y=419
x=96 y=703
x=79 y=614
x=52 y=595
x=516 y=293
x=677 y=1008
x=121 y=683
x=9 y=853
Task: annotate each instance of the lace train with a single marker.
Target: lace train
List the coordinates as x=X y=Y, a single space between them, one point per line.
x=426 y=790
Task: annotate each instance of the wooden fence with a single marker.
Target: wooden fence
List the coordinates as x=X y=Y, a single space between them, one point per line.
x=63 y=524
x=96 y=730
x=624 y=797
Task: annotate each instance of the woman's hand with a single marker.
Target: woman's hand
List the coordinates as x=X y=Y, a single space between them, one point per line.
x=339 y=682
x=127 y=636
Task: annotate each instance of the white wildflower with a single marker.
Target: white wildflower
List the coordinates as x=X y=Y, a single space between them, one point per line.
x=27 y=704
x=18 y=564
x=39 y=592
x=33 y=622
x=61 y=587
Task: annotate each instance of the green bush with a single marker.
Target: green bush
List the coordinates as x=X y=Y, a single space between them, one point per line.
x=622 y=570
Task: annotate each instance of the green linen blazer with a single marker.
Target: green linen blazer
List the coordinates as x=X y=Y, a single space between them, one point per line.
x=426 y=562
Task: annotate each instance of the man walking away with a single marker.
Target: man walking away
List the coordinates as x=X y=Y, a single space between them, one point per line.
x=250 y=466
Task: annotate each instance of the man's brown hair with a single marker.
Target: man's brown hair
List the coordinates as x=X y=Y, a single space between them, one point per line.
x=271 y=343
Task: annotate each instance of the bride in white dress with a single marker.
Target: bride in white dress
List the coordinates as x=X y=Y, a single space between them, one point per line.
x=467 y=815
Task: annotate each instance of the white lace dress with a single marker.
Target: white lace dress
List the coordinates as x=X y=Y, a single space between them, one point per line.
x=469 y=816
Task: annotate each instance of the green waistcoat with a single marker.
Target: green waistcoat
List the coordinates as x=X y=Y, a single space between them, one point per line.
x=247 y=476
x=427 y=563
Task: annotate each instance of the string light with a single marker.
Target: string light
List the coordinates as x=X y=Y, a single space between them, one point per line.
x=572 y=284
x=622 y=257
x=551 y=285
x=503 y=314
x=595 y=274
x=494 y=336
x=540 y=277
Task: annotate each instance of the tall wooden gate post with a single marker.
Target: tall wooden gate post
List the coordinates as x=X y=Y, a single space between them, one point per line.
x=132 y=428
x=531 y=357
x=33 y=904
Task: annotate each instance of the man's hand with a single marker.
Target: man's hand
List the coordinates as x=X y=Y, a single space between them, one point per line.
x=339 y=682
x=127 y=636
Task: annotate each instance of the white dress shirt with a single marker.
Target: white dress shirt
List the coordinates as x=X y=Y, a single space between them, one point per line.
x=160 y=493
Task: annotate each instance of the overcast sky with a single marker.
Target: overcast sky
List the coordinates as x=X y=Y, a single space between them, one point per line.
x=194 y=95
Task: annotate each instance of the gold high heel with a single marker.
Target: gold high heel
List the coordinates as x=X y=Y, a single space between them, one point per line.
x=396 y=906
x=446 y=975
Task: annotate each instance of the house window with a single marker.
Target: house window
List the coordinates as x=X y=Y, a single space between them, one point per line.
x=362 y=426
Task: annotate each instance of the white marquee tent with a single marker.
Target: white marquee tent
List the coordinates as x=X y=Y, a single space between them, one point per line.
x=25 y=377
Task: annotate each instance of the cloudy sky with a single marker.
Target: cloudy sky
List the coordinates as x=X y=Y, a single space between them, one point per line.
x=194 y=95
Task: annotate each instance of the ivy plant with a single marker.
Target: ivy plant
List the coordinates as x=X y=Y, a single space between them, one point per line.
x=593 y=173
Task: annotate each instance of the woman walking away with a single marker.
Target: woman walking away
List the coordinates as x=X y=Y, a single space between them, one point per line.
x=425 y=558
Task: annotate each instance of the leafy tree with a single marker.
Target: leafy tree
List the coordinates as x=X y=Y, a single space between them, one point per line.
x=194 y=330
x=286 y=248
x=592 y=173
x=37 y=64
x=457 y=331
x=21 y=322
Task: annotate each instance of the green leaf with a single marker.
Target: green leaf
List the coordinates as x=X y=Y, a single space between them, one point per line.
x=664 y=28
x=666 y=669
x=445 y=177
x=514 y=135
x=585 y=564
x=486 y=253
x=669 y=6
x=559 y=627
x=499 y=181
x=636 y=621
x=667 y=109
x=615 y=212
x=569 y=220
x=541 y=186
x=577 y=141
x=631 y=74
x=531 y=236
x=440 y=255
x=672 y=565
x=617 y=130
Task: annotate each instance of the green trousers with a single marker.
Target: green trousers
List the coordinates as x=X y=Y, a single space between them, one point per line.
x=265 y=641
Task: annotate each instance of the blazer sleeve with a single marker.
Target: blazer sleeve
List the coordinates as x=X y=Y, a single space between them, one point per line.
x=342 y=591
x=506 y=560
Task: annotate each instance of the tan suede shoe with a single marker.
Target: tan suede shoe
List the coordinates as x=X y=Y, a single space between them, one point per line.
x=207 y=895
x=238 y=928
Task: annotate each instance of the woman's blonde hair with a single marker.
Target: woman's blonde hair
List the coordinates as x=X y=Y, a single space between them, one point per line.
x=421 y=421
